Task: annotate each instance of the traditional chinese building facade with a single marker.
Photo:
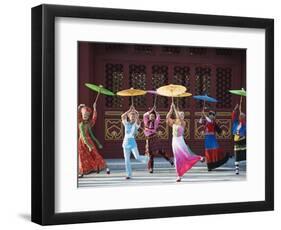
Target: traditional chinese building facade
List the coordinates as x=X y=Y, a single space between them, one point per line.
x=120 y=66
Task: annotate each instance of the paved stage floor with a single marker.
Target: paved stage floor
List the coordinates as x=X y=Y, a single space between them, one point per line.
x=164 y=173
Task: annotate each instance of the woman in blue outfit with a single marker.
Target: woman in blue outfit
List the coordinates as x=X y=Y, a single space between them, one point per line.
x=131 y=122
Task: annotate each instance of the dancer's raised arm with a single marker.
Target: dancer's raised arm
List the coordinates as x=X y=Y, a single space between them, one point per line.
x=180 y=116
x=94 y=117
x=125 y=115
x=234 y=114
x=138 y=122
x=169 y=120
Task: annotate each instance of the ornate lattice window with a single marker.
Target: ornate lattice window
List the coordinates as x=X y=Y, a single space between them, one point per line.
x=171 y=50
x=202 y=82
x=115 y=48
x=182 y=77
x=160 y=78
x=113 y=80
x=224 y=52
x=197 y=51
x=137 y=80
x=143 y=49
x=223 y=84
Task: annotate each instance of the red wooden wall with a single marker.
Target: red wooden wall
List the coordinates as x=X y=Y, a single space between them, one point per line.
x=119 y=66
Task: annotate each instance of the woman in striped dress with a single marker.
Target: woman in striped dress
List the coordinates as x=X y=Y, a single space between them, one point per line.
x=153 y=147
x=239 y=134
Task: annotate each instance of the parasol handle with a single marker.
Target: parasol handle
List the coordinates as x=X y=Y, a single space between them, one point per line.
x=132 y=101
x=97 y=97
x=155 y=99
x=177 y=103
x=240 y=106
x=204 y=104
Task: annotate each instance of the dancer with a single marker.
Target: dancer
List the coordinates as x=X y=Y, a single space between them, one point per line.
x=89 y=158
x=239 y=133
x=215 y=157
x=151 y=121
x=183 y=156
x=131 y=122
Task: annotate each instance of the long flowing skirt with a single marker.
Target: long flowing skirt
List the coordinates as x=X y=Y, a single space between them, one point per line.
x=89 y=161
x=183 y=156
x=215 y=157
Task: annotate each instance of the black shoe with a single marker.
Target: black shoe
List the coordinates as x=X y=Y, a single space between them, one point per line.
x=172 y=163
x=202 y=160
x=107 y=171
x=127 y=178
x=150 y=170
x=178 y=179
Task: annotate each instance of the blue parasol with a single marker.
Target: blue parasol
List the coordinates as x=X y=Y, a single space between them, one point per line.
x=205 y=98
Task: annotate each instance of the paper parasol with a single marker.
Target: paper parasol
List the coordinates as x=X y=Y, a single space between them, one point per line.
x=186 y=94
x=171 y=90
x=205 y=98
x=131 y=92
x=99 y=89
x=152 y=92
x=239 y=92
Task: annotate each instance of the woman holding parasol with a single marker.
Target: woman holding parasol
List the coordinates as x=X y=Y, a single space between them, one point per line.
x=215 y=157
x=183 y=156
x=90 y=159
x=131 y=122
x=153 y=147
x=239 y=130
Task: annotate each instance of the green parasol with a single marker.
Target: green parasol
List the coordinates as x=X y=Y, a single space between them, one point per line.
x=241 y=93
x=99 y=89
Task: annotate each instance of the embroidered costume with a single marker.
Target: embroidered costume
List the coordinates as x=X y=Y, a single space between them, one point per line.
x=184 y=158
x=215 y=157
x=239 y=134
x=153 y=144
x=130 y=146
x=89 y=157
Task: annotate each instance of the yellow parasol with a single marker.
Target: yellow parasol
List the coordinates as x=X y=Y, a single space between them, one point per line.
x=171 y=90
x=131 y=93
x=186 y=94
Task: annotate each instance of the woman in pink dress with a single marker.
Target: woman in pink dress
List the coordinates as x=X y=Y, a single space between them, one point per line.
x=184 y=158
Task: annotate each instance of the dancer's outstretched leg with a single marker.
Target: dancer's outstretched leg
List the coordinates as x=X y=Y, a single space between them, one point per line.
x=138 y=157
x=128 y=167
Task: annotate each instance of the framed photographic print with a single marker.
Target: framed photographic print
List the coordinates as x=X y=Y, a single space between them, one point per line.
x=143 y=114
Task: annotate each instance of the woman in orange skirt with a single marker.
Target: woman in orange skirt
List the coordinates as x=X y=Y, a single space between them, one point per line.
x=89 y=158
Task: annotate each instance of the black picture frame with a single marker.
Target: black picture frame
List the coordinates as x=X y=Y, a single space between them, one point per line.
x=43 y=110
